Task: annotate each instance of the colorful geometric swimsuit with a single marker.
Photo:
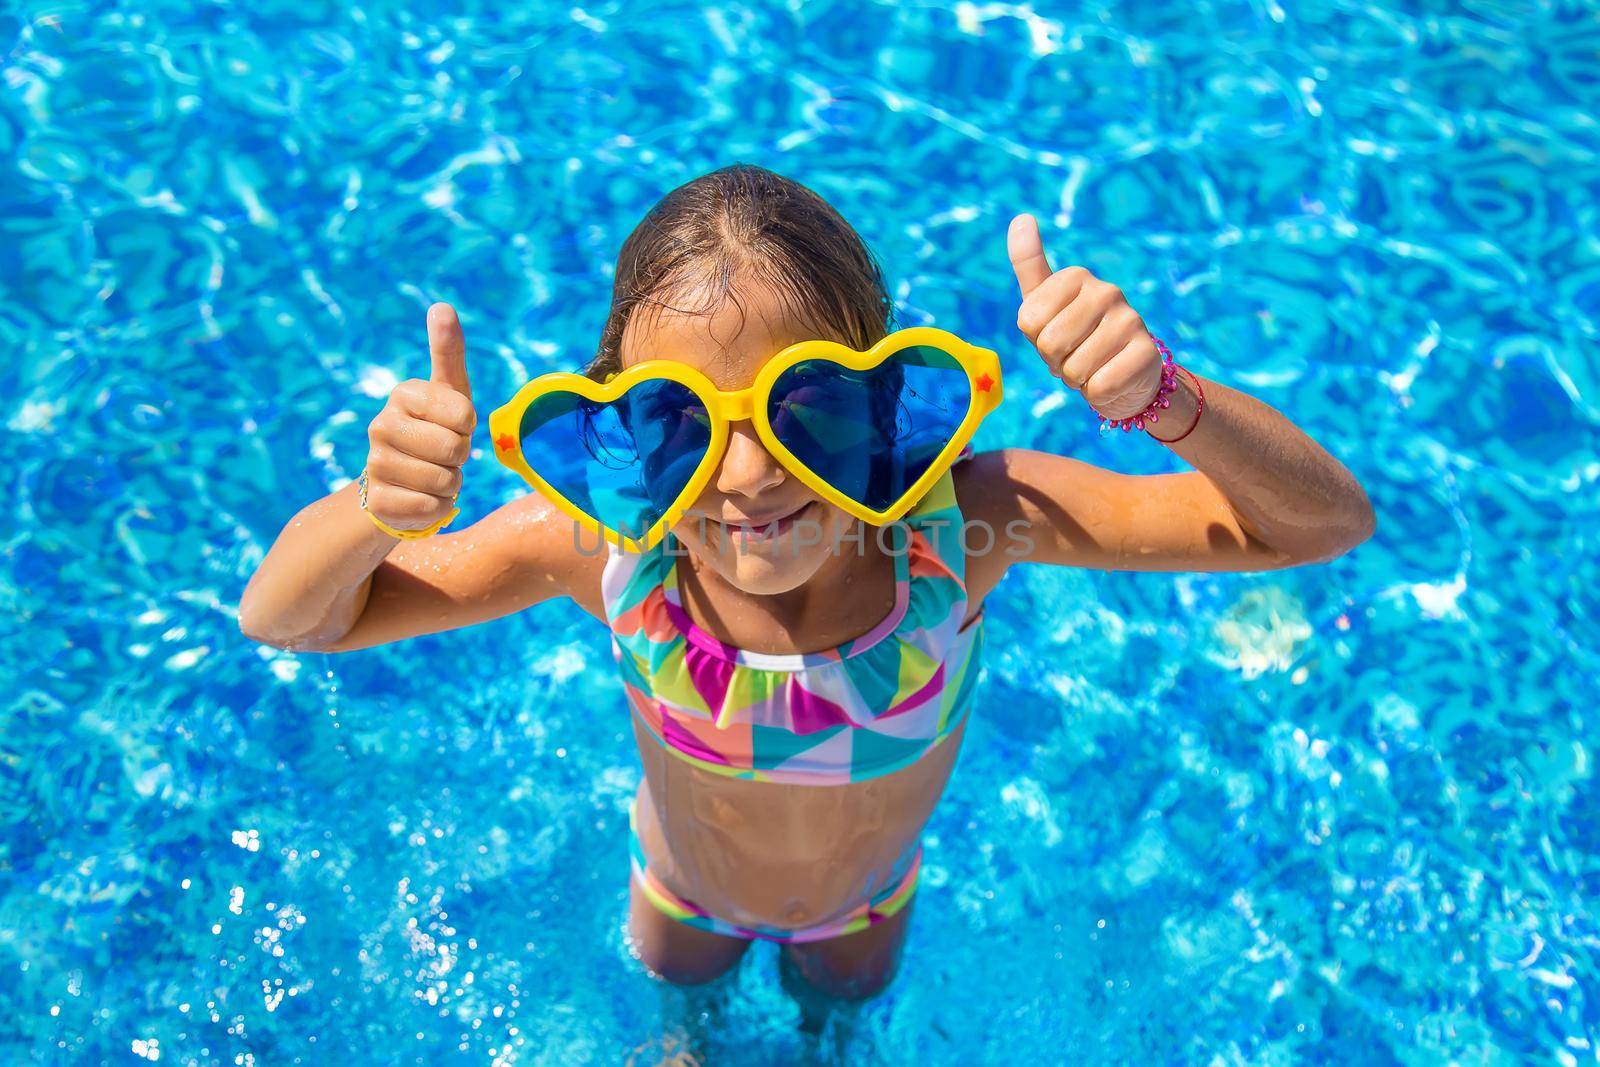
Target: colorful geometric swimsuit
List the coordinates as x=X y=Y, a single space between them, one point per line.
x=866 y=708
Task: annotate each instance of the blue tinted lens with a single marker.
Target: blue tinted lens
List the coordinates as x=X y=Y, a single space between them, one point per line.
x=672 y=431
x=624 y=461
x=871 y=433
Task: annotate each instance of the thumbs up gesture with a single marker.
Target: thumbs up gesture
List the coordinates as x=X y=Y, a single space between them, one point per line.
x=1088 y=335
x=423 y=435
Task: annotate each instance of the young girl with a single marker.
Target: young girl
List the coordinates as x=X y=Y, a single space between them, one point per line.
x=799 y=682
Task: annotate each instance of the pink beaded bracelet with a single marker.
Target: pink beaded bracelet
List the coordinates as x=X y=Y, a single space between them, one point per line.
x=1163 y=398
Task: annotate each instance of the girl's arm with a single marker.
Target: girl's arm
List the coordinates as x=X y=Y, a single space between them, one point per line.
x=335 y=581
x=1263 y=495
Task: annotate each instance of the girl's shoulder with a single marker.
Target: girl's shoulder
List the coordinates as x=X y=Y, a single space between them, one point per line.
x=998 y=531
x=984 y=488
x=546 y=544
x=941 y=508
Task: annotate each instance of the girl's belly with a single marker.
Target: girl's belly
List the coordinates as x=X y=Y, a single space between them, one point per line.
x=778 y=854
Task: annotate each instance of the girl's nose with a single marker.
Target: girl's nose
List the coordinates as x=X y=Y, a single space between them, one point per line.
x=748 y=469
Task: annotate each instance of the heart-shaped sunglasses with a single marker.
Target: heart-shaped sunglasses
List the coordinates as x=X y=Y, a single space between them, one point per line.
x=869 y=432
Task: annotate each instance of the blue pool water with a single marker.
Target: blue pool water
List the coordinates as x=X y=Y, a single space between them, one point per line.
x=1330 y=813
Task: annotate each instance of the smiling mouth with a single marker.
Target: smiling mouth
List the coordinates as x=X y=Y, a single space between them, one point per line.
x=772 y=527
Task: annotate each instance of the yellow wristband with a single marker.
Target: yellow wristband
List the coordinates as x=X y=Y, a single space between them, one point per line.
x=412 y=535
x=404 y=535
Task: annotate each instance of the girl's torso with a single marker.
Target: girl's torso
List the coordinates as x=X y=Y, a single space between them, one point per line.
x=735 y=811
x=761 y=853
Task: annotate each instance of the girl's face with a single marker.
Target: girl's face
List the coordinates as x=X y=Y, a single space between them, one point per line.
x=755 y=524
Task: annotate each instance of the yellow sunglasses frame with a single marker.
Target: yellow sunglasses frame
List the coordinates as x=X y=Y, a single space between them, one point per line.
x=727 y=407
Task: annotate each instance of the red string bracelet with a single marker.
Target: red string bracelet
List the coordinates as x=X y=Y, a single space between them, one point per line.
x=1200 y=406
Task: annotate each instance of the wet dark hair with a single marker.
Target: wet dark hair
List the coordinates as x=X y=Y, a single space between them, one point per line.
x=746 y=222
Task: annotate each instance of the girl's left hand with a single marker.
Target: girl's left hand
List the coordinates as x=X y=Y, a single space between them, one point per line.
x=1083 y=327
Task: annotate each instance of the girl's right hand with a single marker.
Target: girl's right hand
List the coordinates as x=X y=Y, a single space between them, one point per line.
x=423 y=436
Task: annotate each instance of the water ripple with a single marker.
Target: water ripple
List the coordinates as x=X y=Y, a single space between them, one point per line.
x=1199 y=818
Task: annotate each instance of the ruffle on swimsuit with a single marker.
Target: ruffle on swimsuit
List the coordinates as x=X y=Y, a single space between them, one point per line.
x=866 y=708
